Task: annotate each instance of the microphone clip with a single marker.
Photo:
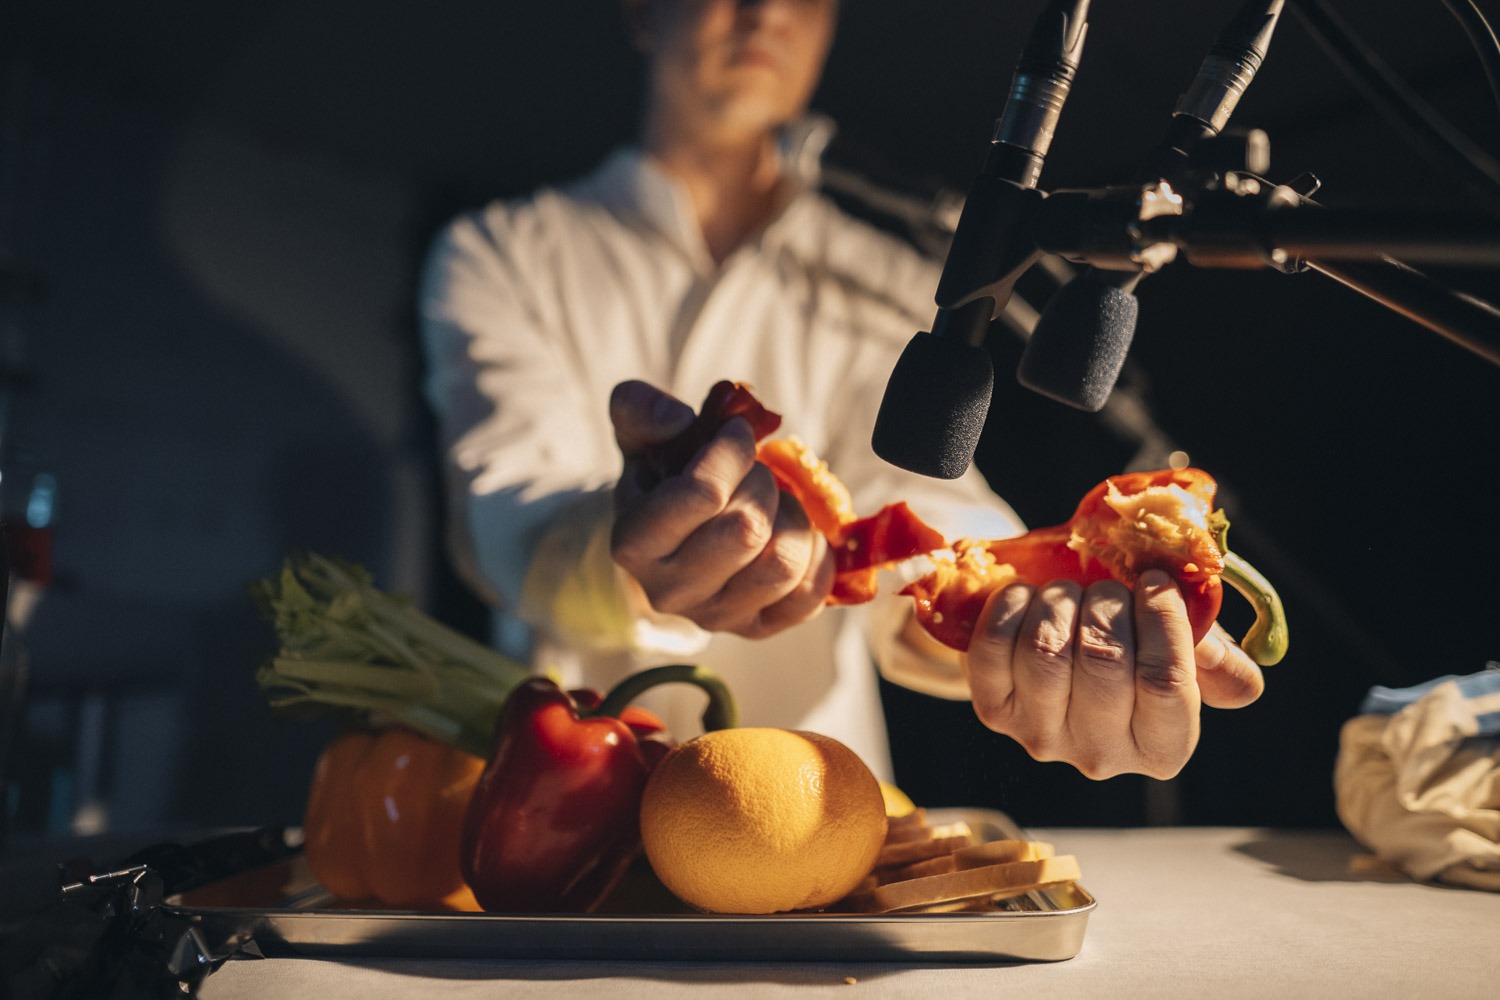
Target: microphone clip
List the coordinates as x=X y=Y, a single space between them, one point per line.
x=980 y=265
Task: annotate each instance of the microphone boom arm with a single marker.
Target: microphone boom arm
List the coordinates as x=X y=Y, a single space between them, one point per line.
x=1243 y=222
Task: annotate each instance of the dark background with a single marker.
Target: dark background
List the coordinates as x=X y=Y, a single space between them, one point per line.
x=221 y=209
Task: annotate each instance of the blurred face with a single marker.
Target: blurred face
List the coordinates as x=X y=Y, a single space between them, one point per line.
x=748 y=64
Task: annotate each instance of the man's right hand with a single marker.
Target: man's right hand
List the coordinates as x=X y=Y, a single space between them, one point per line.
x=715 y=542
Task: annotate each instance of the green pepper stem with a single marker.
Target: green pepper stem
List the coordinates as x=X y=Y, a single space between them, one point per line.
x=720 y=713
x=1267 y=639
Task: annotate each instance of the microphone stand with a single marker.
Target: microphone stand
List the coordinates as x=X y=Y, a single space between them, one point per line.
x=1236 y=219
x=1466 y=320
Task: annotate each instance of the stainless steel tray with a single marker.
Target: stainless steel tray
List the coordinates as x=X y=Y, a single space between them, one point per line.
x=284 y=911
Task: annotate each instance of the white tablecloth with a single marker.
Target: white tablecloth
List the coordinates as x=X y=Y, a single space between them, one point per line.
x=1203 y=913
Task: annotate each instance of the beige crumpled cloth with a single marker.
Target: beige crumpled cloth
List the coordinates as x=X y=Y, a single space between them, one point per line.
x=1421 y=788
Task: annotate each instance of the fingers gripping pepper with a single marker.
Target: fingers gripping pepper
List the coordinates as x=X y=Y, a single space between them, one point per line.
x=725 y=401
x=1126 y=525
x=554 y=821
x=861 y=545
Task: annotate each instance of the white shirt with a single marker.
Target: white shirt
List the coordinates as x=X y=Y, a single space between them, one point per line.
x=533 y=310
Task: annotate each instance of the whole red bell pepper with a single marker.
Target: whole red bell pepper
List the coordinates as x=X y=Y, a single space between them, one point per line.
x=555 y=819
x=646 y=726
x=1128 y=524
x=861 y=545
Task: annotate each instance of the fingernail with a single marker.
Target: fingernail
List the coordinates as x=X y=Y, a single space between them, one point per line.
x=1154 y=579
x=1216 y=660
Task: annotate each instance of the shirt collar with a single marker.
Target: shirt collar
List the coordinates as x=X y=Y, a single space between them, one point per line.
x=630 y=183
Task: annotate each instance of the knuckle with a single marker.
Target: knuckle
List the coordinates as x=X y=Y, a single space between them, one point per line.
x=782 y=564
x=802 y=604
x=1051 y=649
x=1163 y=769
x=822 y=568
x=1041 y=750
x=626 y=552
x=701 y=492
x=992 y=711
x=669 y=597
x=1102 y=654
x=1242 y=689
x=716 y=616
x=754 y=628
x=745 y=527
x=1041 y=745
x=1162 y=752
x=1164 y=675
x=1096 y=767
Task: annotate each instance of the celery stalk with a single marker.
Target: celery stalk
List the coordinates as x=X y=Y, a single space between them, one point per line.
x=346 y=645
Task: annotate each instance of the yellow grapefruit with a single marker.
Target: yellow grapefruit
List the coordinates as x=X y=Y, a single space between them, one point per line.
x=762 y=820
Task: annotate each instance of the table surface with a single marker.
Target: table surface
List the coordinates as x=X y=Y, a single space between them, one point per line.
x=1183 y=912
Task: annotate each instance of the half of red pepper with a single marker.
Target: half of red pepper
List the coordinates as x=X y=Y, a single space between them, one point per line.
x=1128 y=524
x=862 y=545
x=555 y=819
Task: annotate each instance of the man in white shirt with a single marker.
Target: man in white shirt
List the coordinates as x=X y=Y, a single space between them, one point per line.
x=568 y=332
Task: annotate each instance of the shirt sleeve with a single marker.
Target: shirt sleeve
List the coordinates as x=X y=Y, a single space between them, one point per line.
x=529 y=455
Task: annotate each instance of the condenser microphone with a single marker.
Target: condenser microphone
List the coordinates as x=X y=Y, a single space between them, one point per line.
x=1080 y=341
x=934 y=406
x=939 y=393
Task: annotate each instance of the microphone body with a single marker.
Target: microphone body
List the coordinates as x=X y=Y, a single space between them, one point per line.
x=938 y=395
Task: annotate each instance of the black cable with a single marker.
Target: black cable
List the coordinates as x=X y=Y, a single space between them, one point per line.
x=1482 y=37
x=1443 y=145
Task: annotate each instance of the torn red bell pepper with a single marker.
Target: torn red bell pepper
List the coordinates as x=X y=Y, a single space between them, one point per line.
x=1126 y=525
x=826 y=500
x=725 y=401
x=862 y=545
x=555 y=819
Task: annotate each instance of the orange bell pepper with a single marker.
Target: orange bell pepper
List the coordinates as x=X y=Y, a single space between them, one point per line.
x=385 y=816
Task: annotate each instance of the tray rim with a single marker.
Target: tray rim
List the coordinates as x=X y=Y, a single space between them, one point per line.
x=1050 y=934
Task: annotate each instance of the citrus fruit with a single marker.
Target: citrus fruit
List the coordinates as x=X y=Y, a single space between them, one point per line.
x=762 y=820
x=897 y=802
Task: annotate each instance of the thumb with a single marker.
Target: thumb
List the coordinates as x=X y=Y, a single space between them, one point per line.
x=644 y=415
x=1227 y=677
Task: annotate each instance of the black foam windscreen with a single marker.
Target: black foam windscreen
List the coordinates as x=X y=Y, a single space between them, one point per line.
x=934 y=407
x=1078 y=347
